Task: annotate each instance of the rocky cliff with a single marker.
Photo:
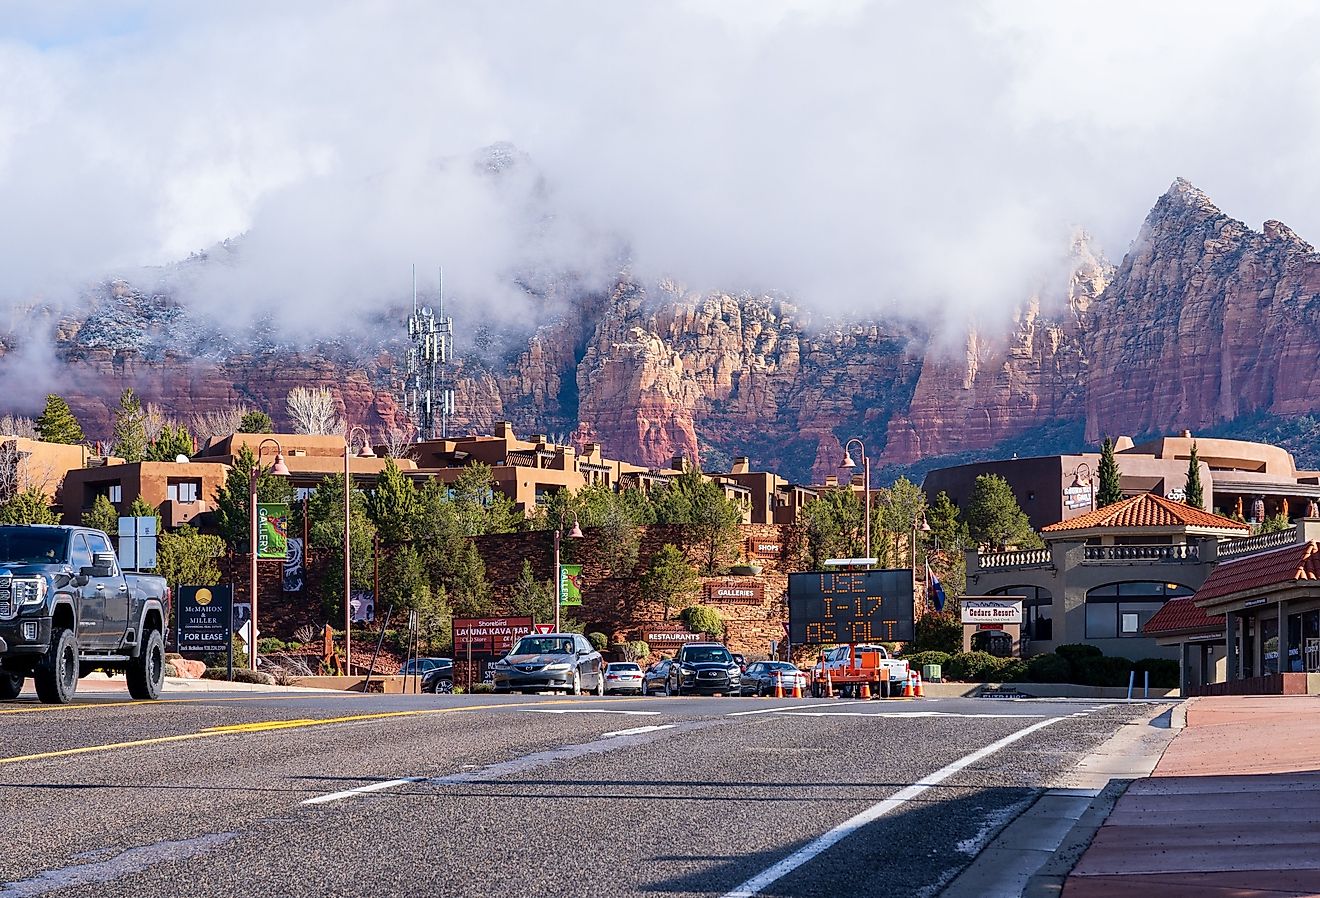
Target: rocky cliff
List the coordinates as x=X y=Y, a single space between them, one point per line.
x=1204 y=321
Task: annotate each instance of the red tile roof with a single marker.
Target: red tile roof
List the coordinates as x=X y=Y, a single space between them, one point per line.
x=1147 y=510
x=1259 y=572
x=1181 y=616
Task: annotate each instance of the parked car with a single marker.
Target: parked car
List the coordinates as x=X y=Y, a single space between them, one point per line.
x=623 y=676
x=704 y=667
x=551 y=661
x=656 y=678
x=760 y=676
x=440 y=678
x=424 y=666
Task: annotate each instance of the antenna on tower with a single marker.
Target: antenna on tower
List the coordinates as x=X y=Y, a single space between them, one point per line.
x=428 y=389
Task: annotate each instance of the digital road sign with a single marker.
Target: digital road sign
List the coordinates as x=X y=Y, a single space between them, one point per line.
x=831 y=607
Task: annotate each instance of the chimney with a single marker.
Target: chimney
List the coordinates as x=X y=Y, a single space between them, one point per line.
x=741 y=465
x=504 y=430
x=1308 y=530
x=677 y=461
x=831 y=480
x=1186 y=434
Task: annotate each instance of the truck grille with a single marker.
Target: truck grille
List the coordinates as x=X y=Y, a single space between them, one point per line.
x=7 y=608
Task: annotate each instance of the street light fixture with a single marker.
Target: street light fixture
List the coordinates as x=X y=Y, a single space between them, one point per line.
x=1079 y=481
x=575 y=533
x=848 y=464
x=365 y=452
x=919 y=523
x=280 y=470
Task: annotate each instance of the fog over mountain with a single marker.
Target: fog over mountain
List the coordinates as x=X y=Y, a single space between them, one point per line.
x=863 y=157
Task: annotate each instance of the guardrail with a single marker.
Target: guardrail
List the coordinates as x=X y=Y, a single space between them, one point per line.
x=1249 y=545
x=1180 y=553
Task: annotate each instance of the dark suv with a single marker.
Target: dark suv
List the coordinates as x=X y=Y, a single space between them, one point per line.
x=704 y=667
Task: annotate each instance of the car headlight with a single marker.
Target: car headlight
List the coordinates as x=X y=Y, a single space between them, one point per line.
x=500 y=664
x=31 y=591
x=557 y=666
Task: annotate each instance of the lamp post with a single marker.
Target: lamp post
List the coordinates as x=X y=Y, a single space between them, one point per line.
x=575 y=533
x=848 y=464
x=1079 y=481
x=281 y=470
x=348 y=545
x=918 y=523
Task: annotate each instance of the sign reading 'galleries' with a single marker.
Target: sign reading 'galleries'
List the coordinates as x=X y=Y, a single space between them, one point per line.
x=205 y=615
x=830 y=607
x=494 y=635
x=735 y=594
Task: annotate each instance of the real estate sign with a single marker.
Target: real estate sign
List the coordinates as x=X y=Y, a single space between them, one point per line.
x=204 y=615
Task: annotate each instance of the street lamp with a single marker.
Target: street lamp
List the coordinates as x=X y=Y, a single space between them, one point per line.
x=1078 y=480
x=575 y=533
x=365 y=452
x=918 y=523
x=281 y=470
x=847 y=464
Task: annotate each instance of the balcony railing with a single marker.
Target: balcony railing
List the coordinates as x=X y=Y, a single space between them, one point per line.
x=1014 y=559
x=1180 y=553
x=1249 y=545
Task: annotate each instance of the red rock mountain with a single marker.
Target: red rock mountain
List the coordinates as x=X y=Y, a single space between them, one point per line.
x=1204 y=321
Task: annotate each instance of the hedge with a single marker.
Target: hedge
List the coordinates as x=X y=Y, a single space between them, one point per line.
x=1078 y=664
x=921 y=659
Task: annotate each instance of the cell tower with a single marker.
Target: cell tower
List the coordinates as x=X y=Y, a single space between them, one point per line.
x=429 y=388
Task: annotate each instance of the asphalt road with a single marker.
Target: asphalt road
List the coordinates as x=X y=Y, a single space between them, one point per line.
x=349 y=795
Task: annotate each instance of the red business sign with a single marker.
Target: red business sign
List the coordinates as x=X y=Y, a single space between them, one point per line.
x=495 y=635
x=764 y=548
x=736 y=593
x=671 y=637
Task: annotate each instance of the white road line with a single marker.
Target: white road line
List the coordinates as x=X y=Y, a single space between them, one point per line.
x=363 y=790
x=781 y=709
x=635 y=730
x=890 y=714
x=589 y=711
x=754 y=885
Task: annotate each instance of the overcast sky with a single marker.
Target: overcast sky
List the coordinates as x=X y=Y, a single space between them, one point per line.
x=867 y=156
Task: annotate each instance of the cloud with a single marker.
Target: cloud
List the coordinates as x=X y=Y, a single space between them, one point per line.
x=866 y=157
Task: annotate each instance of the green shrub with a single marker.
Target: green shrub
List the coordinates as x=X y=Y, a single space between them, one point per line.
x=1049 y=668
x=270 y=645
x=482 y=688
x=1102 y=671
x=972 y=667
x=704 y=619
x=920 y=659
x=1163 y=672
x=1012 y=670
x=1073 y=652
x=598 y=641
x=938 y=632
x=241 y=675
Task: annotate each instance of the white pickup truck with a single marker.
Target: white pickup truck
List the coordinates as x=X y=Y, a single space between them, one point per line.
x=848 y=671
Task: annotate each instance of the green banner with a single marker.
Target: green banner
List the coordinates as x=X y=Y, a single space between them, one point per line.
x=272 y=530
x=570 y=584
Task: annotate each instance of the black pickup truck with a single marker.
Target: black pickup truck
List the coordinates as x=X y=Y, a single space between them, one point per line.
x=67 y=609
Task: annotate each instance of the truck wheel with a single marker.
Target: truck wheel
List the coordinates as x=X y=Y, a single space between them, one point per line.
x=146 y=672
x=11 y=684
x=56 y=676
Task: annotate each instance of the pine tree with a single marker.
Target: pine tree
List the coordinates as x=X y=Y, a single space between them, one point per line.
x=28 y=507
x=994 y=517
x=393 y=505
x=531 y=597
x=671 y=579
x=170 y=444
x=188 y=557
x=102 y=516
x=57 y=423
x=1195 y=492
x=256 y=422
x=232 y=504
x=1110 y=490
x=130 y=429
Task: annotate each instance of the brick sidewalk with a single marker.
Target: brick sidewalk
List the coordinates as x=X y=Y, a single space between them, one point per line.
x=1232 y=809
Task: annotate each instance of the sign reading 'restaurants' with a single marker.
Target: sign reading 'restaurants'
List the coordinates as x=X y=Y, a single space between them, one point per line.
x=735 y=594
x=991 y=611
x=670 y=636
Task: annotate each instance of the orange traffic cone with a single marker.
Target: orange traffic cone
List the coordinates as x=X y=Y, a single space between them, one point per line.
x=829 y=685
x=866 y=690
x=797 y=687
x=779 y=685
x=907 y=688
x=919 y=693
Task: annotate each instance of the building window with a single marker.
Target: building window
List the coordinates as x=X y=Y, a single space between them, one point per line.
x=112 y=490
x=1037 y=610
x=185 y=490
x=1119 y=610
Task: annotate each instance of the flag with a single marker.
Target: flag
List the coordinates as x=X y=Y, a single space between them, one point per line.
x=934 y=590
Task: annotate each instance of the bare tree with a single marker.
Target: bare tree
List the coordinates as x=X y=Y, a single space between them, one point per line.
x=219 y=422
x=154 y=420
x=397 y=442
x=19 y=472
x=18 y=426
x=313 y=411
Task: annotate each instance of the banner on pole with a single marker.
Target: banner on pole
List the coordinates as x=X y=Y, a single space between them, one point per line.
x=570 y=584
x=272 y=530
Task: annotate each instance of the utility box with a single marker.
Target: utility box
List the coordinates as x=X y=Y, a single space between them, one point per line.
x=932 y=673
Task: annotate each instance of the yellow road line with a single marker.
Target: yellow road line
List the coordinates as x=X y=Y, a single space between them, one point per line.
x=254 y=727
x=201 y=699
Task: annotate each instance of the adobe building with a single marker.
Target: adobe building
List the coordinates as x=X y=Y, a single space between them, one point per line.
x=773 y=499
x=32 y=463
x=310 y=458
x=1103 y=575
x=1239 y=478
x=179 y=490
